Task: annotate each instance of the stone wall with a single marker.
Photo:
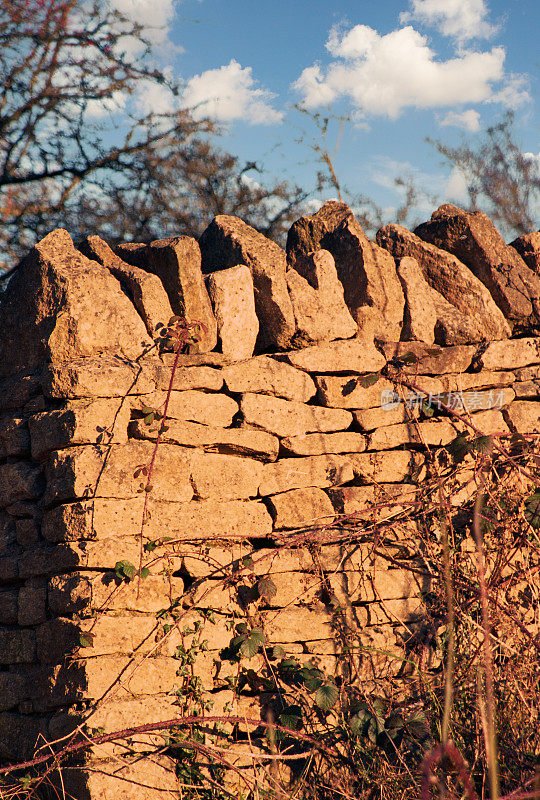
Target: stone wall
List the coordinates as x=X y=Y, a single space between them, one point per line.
x=304 y=419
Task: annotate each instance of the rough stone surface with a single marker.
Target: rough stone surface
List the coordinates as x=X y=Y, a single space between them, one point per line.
x=368 y=275
x=353 y=355
x=301 y=507
x=228 y=242
x=232 y=295
x=289 y=417
x=430 y=360
x=81 y=422
x=512 y=354
x=224 y=477
x=376 y=502
x=317 y=298
x=145 y=290
x=420 y=314
x=318 y=444
x=392 y=414
x=387 y=466
x=104 y=375
x=265 y=375
x=299 y=473
x=196 y=377
x=345 y=391
x=524 y=416
x=84 y=471
x=240 y=441
x=206 y=408
x=62 y=305
x=177 y=262
x=472 y=237
x=20 y=481
x=14 y=435
x=528 y=247
x=449 y=277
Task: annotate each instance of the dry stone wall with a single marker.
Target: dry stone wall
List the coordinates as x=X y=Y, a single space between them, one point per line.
x=307 y=413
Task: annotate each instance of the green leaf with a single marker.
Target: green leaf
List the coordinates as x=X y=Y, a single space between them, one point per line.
x=150 y=546
x=482 y=444
x=252 y=643
x=459 y=447
x=326 y=696
x=427 y=409
x=86 y=639
x=532 y=510
x=125 y=570
x=247 y=561
x=266 y=588
x=313 y=678
x=365 y=381
x=408 y=359
x=148 y=420
x=145 y=572
x=291 y=717
x=278 y=651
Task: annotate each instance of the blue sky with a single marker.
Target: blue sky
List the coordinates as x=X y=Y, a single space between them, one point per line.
x=401 y=70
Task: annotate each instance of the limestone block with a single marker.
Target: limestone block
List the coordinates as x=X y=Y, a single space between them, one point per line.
x=20 y=481
x=466 y=380
x=353 y=355
x=104 y=375
x=62 y=305
x=241 y=441
x=79 y=594
x=317 y=444
x=301 y=507
x=265 y=375
x=297 y=625
x=110 y=635
x=17 y=390
x=289 y=417
x=14 y=435
x=8 y=610
x=512 y=354
x=528 y=247
x=420 y=315
x=472 y=237
x=374 y=584
x=300 y=473
x=228 y=242
x=526 y=389
x=367 y=273
x=145 y=290
x=177 y=262
x=101 y=519
x=431 y=360
x=524 y=416
x=387 y=414
x=150 y=676
x=114 y=780
x=375 y=502
x=188 y=378
x=20 y=736
x=317 y=298
x=32 y=606
x=17 y=646
x=80 y=422
x=450 y=277
x=345 y=391
x=207 y=408
x=231 y=293
x=387 y=466
x=527 y=373
x=89 y=470
x=224 y=477
x=433 y=432
x=453 y=327
x=12 y=690
x=405 y=610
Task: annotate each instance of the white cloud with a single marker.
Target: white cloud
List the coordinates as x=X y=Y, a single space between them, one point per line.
x=384 y=74
x=230 y=93
x=155 y=16
x=514 y=93
x=469 y=120
x=456 y=186
x=459 y=19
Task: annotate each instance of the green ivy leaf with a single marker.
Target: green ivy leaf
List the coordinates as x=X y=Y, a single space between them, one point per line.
x=278 y=651
x=150 y=546
x=291 y=717
x=86 y=639
x=266 y=588
x=482 y=444
x=326 y=696
x=313 y=678
x=459 y=447
x=247 y=561
x=145 y=572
